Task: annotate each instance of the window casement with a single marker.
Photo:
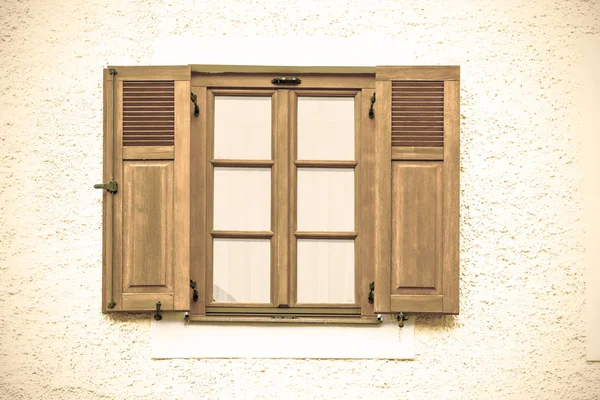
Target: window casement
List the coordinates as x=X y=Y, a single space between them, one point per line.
x=294 y=194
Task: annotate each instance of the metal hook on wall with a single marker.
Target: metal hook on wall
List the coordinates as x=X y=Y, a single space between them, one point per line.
x=401 y=317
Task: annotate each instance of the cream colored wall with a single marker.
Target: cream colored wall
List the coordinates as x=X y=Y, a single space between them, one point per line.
x=521 y=332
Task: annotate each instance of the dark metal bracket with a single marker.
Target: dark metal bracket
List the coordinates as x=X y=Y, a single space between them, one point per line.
x=110 y=186
x=193 y=286
x=371 y=292
x=157 y=316
x=286 y=81
x=371 y=111
x=194 y=99
x=112 y=71
x=112 y=305
x=401 y=317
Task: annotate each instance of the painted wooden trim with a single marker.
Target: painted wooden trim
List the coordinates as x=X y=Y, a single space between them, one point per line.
x=418 y=73
x=382 y=197
x=366 y=179
x=312 y=309
x=107 y=198
x=148 y=152
x=277 y=69
x=263 y=81
x=417 y=304
x=326 y=235
x=118 y=200
x=280 y=203
x=293 y=320
x=325 y=164
x=451 y=235
x=198 y=204
x=147 y=301
x=417 y=153
x=181 y=266
x=151 y=73
x=241 y=235
x=241 y=163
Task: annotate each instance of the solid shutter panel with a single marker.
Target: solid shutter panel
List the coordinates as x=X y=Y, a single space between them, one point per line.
x=417 y=216
x=146 y=235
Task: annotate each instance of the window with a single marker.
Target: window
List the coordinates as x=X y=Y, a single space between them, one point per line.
x=296 y=194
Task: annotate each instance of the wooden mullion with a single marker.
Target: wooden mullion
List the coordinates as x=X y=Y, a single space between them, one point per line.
x=325 y=164
x=282 y=193
x=242 y=234
x=242 y=163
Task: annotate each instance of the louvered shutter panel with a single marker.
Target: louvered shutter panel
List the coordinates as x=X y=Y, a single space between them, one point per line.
x=417 y=217
x=147 y=221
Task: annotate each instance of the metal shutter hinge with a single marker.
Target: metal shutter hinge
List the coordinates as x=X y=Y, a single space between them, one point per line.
x=193 y=286
x=371 y=111
x=110 y=186
x=371 y=292
x=194 y=99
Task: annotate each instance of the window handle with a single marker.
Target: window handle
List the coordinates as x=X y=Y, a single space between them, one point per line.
x=286 y=81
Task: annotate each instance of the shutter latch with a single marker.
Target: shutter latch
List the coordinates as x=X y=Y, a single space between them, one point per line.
x=401 y=317
x=371 y=294
x=286 y=81
x=110 y=186
x=157 y=316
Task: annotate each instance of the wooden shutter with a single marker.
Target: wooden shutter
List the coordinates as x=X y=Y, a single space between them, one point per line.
x=146 y=223
x=417 y=195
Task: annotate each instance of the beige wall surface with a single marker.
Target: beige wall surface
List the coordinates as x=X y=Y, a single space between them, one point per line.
x=521 y=333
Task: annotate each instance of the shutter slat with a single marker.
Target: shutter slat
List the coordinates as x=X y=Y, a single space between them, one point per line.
x=417 y=113
x=148 y=113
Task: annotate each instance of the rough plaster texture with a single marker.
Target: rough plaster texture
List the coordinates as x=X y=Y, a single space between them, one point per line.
x=521 y=331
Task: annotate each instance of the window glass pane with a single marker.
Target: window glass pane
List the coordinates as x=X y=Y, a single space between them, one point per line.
x=325 y=128
x=242 y=199
x=241 y=270
x=325 y=199
x=325 y=271
x=243 y=127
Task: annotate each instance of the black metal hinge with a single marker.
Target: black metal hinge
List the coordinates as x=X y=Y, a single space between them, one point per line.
x=371 y=111
x=193 y=286
x=110 y=186
x=194 y=99
x=371 y=292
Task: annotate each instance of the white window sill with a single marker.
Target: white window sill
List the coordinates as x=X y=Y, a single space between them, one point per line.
x=173 y=338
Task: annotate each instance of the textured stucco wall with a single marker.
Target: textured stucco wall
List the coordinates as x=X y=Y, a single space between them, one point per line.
x=521 y=331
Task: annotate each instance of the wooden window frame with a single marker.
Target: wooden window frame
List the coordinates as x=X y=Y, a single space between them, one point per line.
x=401 y=179
x=284 y=164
